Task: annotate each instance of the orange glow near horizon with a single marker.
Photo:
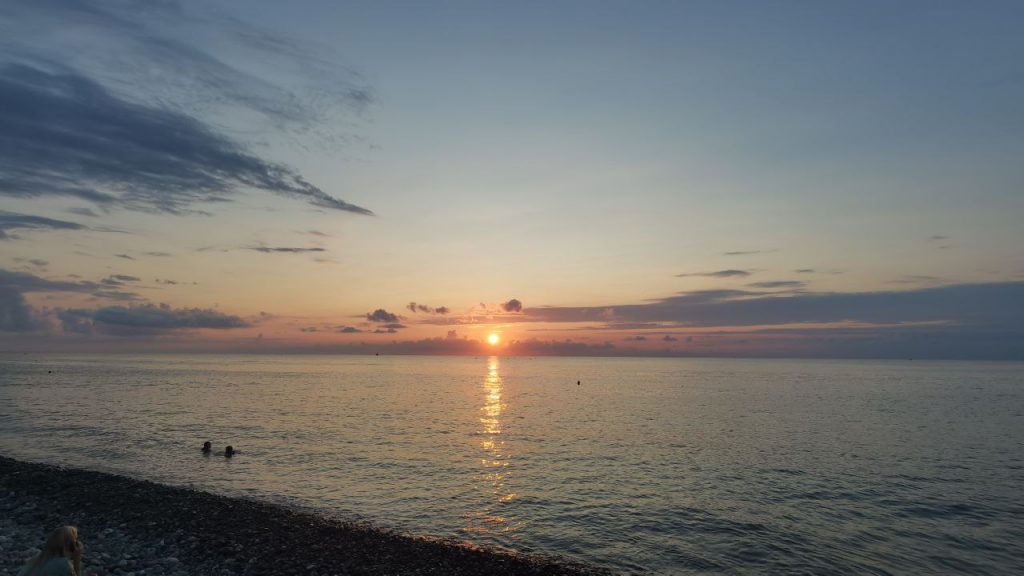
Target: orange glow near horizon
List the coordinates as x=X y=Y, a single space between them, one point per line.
x=493 y=339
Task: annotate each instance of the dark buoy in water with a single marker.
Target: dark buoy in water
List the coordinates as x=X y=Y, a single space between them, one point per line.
x=229 y=452
x=49 y=371
x=577 y=382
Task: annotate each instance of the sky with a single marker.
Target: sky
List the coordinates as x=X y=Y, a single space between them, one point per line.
x=795 y=179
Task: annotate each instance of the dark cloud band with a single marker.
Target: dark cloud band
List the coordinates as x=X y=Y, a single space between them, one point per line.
x=147 y=318
x=62 y=134
x=14 y=221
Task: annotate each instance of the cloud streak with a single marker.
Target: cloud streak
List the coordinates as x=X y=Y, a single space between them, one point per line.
x=778 y=284
x=283 y=249
x=416 y=308
x=25 y=282
x=62 y=134
x=194 y=61
x=731 y=273
x=989 y=305
x=14 y=221
x=118 y=280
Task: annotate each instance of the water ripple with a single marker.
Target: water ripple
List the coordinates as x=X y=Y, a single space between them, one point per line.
x=654 y=466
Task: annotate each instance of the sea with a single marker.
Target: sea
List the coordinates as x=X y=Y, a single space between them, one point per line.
x=646 y=466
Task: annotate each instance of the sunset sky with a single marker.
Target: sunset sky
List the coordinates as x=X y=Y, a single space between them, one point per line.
x=683 y=178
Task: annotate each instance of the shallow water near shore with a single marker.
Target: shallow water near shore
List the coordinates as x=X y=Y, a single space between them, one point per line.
x=648 y=465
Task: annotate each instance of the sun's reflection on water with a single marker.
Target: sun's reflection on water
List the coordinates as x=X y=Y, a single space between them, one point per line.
x=494 y=459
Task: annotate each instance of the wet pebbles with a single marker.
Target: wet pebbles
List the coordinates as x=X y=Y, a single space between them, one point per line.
x=137 y=528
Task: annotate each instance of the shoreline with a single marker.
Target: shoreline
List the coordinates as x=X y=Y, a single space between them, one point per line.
x=137 y=527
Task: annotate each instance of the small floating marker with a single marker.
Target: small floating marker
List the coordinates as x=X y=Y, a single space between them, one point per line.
x=577 y=382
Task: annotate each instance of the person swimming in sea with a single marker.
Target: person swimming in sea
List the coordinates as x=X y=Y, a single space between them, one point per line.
x=229 y=452
x=207 y=448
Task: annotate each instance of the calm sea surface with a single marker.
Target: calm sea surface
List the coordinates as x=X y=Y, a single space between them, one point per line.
x=649 y=465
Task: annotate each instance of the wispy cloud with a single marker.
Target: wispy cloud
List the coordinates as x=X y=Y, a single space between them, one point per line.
x=35 y=262
x=416 y=307
x=118 y=280
x=746 y=252
x=127 y=155
x=78 y=210
x=731 y=273
x=25 y=282
x=194 y=60
x=14 y=221
x=389 y=328
x=283 y=249
x=131 y=96
x=778 y=284
x=917 y=279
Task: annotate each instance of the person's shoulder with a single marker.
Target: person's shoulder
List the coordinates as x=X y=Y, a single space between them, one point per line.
x=57 y=567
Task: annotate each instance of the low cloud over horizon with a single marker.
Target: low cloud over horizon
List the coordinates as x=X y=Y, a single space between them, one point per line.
x=963 y=304
x=145 y=319
x=17 y=316
x=960 y=320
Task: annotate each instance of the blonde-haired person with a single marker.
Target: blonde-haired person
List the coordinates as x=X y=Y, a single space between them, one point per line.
x=60 y=556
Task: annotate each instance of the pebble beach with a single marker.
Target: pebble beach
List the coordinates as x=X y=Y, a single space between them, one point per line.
x=132 y=527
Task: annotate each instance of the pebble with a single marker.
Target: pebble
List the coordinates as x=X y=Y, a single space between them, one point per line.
x=133 y=528
x=21 y=534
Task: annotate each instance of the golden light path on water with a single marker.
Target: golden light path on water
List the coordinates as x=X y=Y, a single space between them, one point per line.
x=494 y=460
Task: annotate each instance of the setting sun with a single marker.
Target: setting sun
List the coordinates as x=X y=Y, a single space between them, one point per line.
x=493 y=339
